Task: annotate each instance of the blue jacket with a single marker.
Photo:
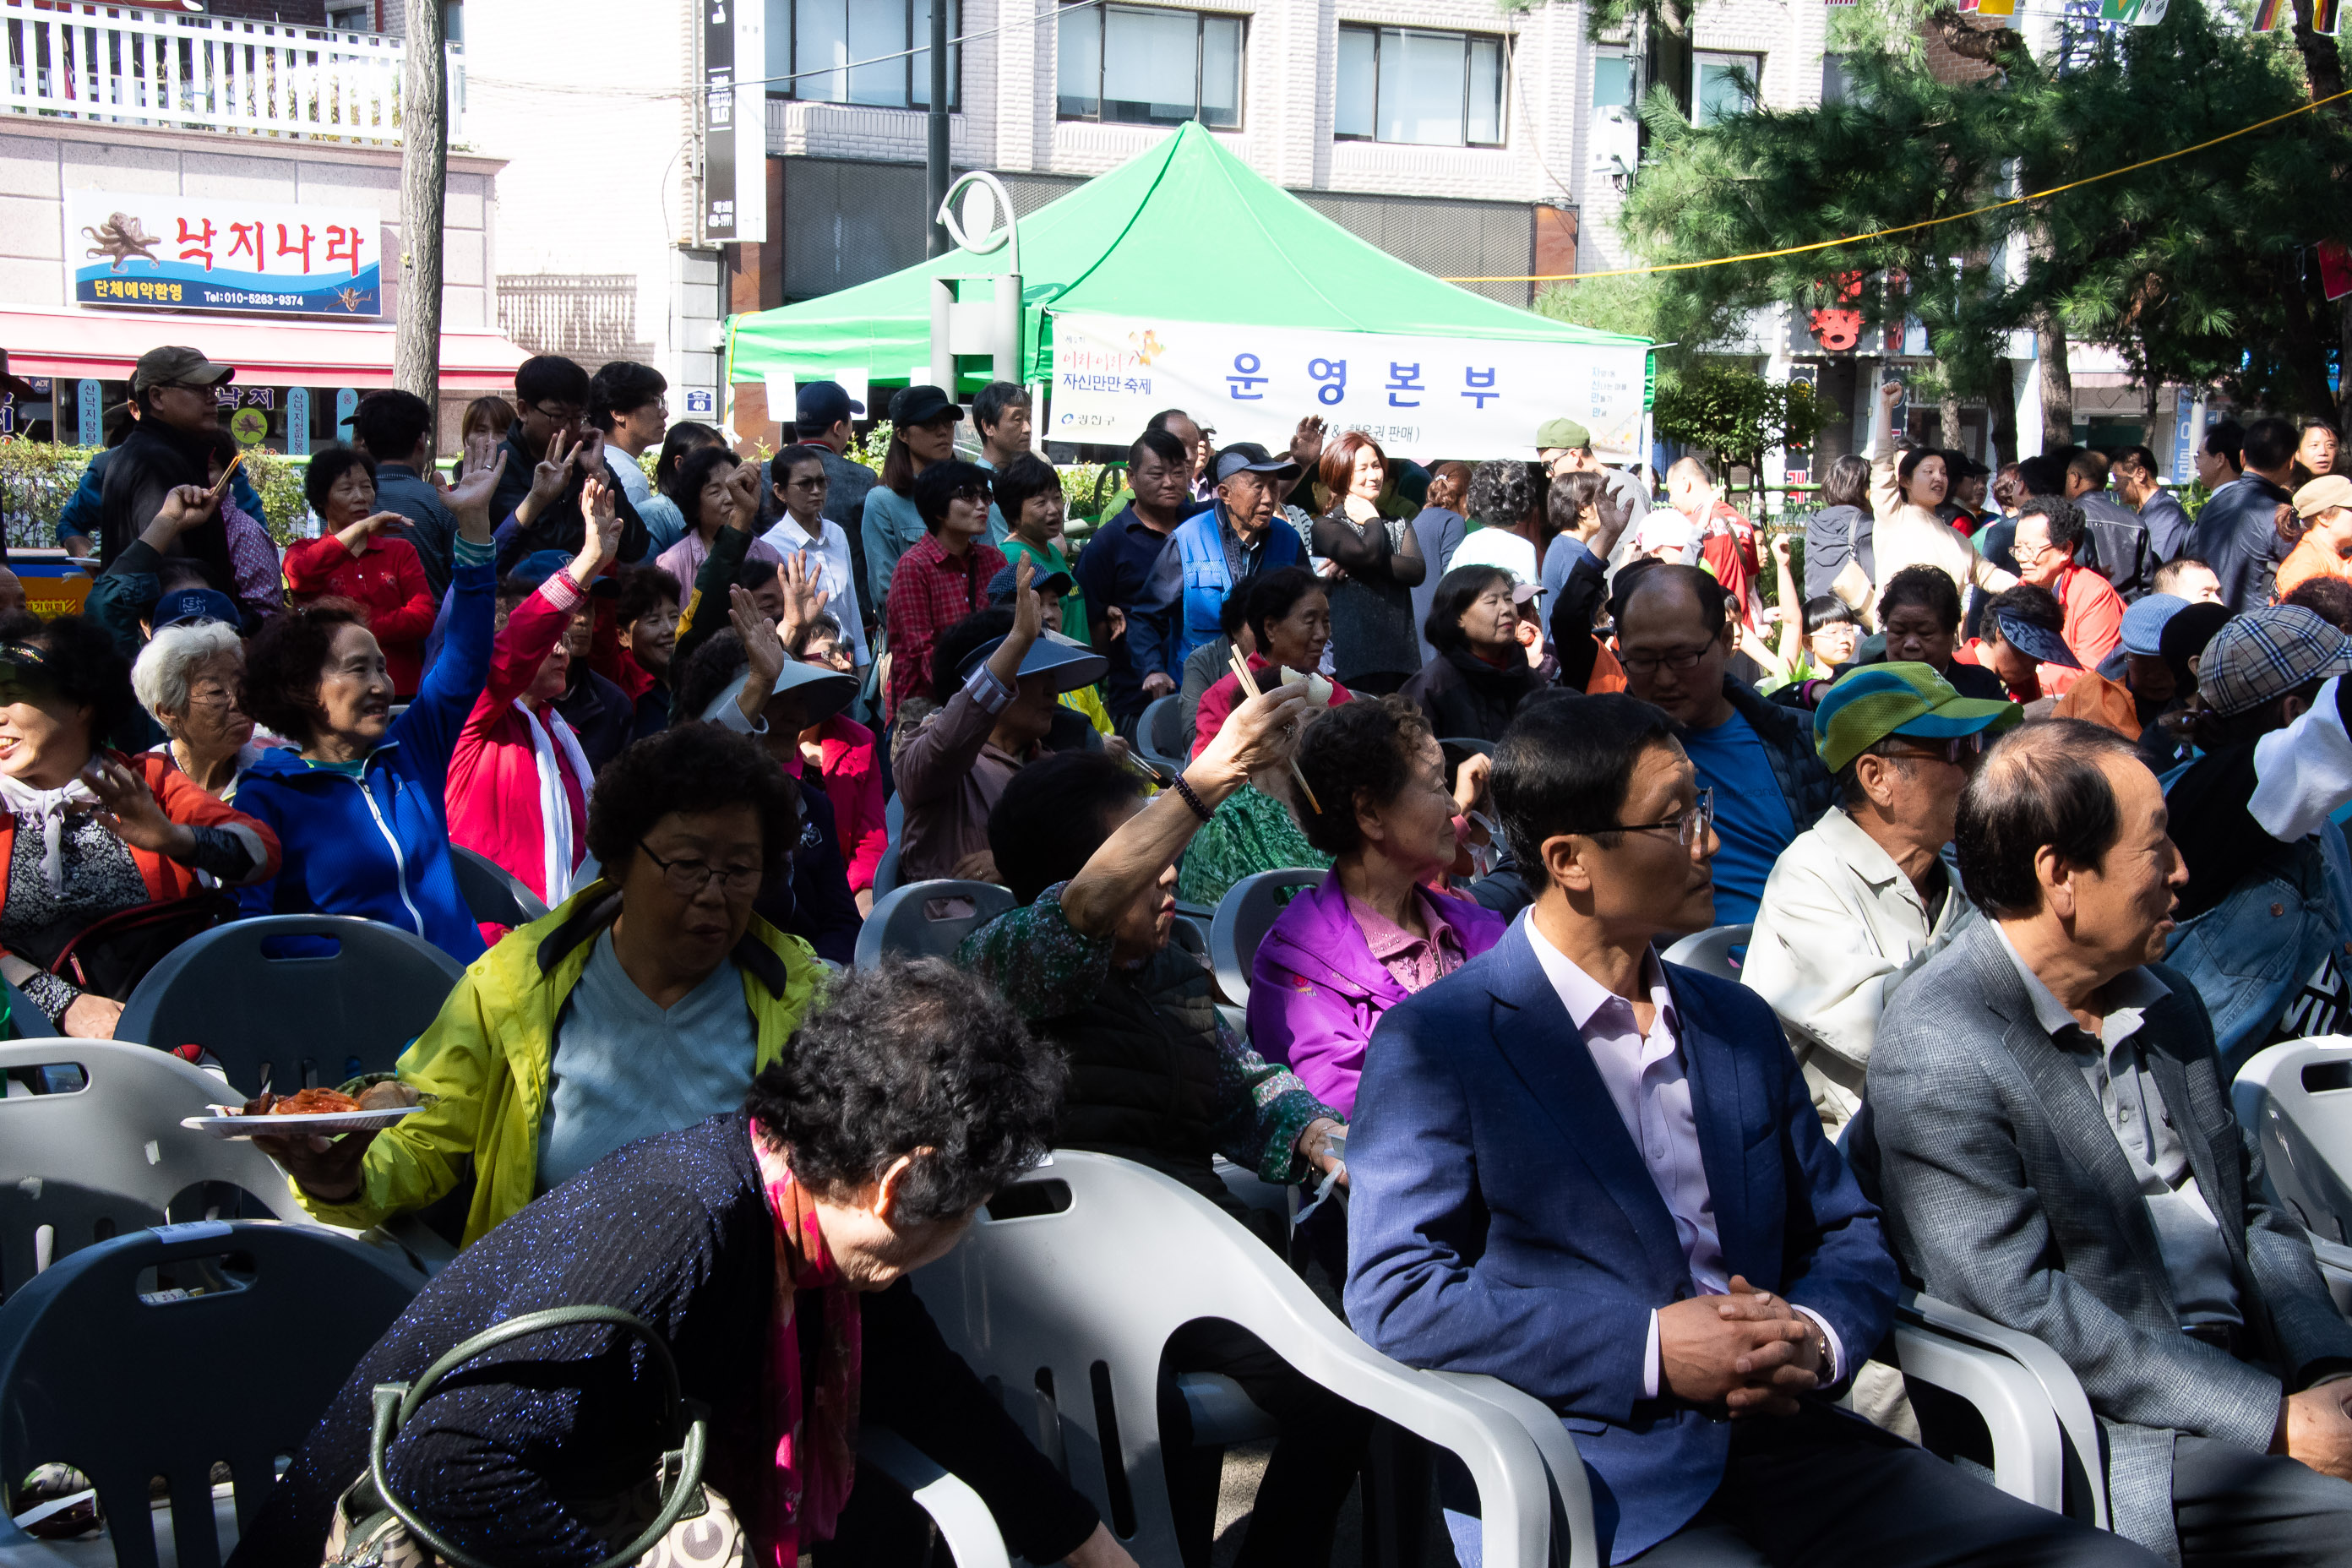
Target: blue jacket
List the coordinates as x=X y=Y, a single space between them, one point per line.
x=1501 y=1220
x=1199 y=549
x=379 y=846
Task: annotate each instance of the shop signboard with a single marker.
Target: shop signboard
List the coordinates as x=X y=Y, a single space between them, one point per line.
x=89 y=419
x=298 y=421
x=191 y=253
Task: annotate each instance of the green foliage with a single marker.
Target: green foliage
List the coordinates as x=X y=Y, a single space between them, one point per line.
x=874 y=448
x=2194 y=268
x=1736 y=412
x=38 y=478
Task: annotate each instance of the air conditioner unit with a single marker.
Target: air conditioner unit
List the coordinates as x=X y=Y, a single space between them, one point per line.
x=1616 y=143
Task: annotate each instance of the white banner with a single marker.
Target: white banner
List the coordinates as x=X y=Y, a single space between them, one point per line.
x=1421 y=397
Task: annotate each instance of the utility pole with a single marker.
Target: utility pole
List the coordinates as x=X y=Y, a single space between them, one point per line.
x=423 y=187
x=935 y=161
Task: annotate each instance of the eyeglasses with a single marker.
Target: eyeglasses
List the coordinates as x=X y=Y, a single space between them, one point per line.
x=1690 y=827
x=687 y=879
x=1678 y=661
x=560 y=414
x=1959 y=751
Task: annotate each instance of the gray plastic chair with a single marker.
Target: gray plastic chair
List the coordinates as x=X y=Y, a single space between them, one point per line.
x=927 y=920
x=84 y=1165
x=293 y=1021
x=492 y=893
x=2296 y=1097
x=1067 y=1311
x=885 y=874
x=894 y=820
x=1245 y=915
x=124 y=1387
x=1709 y=951
x=25 y=1019
x=2046 y=1448
x=1160 y=736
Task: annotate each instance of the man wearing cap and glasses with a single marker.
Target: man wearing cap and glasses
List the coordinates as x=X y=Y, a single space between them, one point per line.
x=2267 y=910
x=171 y=445
x=1564 y=446
x=1215 y=549
x=1863 y=898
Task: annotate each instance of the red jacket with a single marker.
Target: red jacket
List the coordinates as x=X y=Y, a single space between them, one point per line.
x=493 y=791
x=184 y=803
x=853 y=781
x=387 y=577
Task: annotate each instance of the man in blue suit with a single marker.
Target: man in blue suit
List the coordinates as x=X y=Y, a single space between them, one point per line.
x=1602 y=1179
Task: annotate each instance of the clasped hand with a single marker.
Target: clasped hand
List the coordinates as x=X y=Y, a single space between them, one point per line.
x=1749 y=1352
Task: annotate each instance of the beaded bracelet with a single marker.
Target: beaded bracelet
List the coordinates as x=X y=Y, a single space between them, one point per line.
x=1189 y=798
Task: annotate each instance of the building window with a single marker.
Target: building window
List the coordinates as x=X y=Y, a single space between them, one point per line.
x=1436 y=90
x=351 y=17
x=855 y=51
x=1139 y=67
x=1723 y=86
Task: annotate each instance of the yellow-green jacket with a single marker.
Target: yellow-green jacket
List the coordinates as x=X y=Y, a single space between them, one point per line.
x=487 y=1057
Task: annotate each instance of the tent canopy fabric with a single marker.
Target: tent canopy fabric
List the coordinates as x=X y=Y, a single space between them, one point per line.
x=1185 y=228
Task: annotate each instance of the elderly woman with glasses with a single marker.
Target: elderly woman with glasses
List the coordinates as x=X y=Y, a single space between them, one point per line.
x=89 y=832
x=644 y=1004
x=187 y=676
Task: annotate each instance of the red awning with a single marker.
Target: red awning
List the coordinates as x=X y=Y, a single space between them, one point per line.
x=107 y=343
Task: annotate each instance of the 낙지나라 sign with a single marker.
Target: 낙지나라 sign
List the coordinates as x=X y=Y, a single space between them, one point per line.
x=1458 y=397
x=187 y=253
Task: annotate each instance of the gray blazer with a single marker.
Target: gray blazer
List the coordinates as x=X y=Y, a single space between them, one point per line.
x=2005 y=1193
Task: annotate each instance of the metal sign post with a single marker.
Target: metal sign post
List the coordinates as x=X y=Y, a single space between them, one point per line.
x=989 y=326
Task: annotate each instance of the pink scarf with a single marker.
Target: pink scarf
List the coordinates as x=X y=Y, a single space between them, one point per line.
x=816 y=1458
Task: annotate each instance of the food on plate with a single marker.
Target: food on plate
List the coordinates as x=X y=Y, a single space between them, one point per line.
x=388 y=1094
x=314 y=1102
x=1319 y=691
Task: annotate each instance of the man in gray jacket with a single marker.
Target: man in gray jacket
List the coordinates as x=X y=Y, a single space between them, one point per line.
x=2046 y=1128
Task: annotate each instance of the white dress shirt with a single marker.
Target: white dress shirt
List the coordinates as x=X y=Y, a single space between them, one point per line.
x=828 y=553
x=1649 y=1085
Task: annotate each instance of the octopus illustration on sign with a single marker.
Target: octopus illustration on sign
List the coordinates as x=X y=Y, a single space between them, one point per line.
x=120 y=238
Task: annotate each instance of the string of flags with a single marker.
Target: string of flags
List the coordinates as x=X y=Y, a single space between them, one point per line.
x=2269 y=15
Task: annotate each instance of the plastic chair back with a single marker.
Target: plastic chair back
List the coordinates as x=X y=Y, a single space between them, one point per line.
x=1710 y=950
x=493 y=894
x=26 y=1020
x=886 y=873
x=125 y=1386
x=1159 y=734
x=2296 y=1096
x=1245 y=915
x=1063 y=1296
x=293 y=1021
x=83 y=1165
x=927 y=920
x=894 y=820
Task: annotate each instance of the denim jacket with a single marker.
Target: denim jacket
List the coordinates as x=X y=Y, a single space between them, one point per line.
x=2251 y=952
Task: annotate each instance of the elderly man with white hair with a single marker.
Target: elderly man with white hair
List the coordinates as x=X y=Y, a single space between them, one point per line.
x=187 y=677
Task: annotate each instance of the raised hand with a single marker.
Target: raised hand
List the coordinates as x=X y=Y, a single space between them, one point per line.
x=186 y=507
x=1028 y=610
x=128 y=809
x=1307 y=442
x=552 y=473
x=743 y=497
x=803 y=600
x=479 y=471
x=761 y=646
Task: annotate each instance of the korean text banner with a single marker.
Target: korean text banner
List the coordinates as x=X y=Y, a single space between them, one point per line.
x=201 y=254
x=1435 y=397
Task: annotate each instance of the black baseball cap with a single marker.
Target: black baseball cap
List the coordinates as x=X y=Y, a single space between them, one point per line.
x=185 y=606
x=921 y=404
x=1000 y=587
x=822 y=404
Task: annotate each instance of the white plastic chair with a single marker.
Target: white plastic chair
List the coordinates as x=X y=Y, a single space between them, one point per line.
x=927 y=920
x=1245 y=915
x=493 y=893
x=1709 y=951
x=1068 y=1312
x=2296 y=1096
x=2045 y=1442
x=83 y=1165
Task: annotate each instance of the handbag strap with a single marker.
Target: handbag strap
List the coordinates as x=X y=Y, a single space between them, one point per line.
x=396 y=1403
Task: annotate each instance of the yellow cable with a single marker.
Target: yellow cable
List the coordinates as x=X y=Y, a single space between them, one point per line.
x=1907 y=228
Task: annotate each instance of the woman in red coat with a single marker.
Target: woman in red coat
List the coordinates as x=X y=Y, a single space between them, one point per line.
x=85 y=831
x=358 y=559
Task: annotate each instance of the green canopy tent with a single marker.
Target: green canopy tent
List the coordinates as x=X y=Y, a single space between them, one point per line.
x=1185 y=251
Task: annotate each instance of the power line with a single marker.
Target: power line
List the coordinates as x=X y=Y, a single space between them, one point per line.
x=1908 y=227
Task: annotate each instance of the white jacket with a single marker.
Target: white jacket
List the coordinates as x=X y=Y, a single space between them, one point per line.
x=1839 y=928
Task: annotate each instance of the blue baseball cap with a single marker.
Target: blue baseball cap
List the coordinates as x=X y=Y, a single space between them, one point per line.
x=2039 y=644
x=1000 y=587
x=2144 y=619
x=822 y=404
x=186 y=606
x=540 y=564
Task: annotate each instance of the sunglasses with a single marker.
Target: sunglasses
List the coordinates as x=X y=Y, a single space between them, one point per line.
x=1958 y=751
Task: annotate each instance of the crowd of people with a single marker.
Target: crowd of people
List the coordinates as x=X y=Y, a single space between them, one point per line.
x=2025 y=802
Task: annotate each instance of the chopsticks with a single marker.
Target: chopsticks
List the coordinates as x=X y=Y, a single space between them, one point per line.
x=1241 y=669
x=220 y=486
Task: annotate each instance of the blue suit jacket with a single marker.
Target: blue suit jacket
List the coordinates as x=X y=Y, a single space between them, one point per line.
x=1501 y=1220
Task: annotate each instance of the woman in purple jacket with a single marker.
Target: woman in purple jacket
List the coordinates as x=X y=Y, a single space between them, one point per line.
x=1373 y=934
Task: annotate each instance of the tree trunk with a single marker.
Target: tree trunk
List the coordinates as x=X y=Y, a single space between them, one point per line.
x=423 y=187
x=1947 y=412
x=2057 y=382
x=2323 y=65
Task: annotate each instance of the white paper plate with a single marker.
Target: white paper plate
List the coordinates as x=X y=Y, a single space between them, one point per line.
x=226 y=1124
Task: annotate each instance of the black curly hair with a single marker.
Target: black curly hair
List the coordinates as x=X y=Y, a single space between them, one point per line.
x=1360 y=751
x=284 y=662
x=84 y=668
x=956 y=645
x=915 y=1054
x=690 y=768
x=319 y=479
x=717 y=665
x=641 y=589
